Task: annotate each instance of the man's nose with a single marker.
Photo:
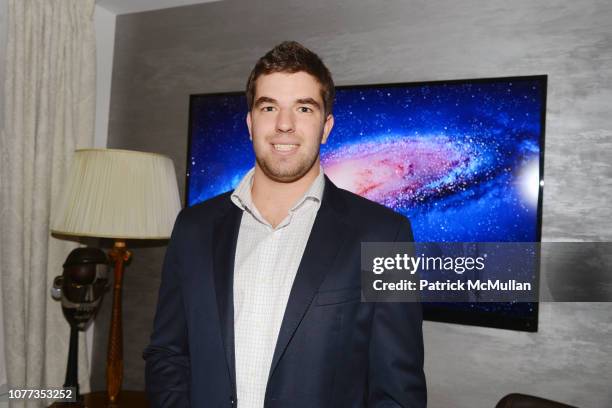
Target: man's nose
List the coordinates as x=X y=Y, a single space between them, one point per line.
x=285 y=122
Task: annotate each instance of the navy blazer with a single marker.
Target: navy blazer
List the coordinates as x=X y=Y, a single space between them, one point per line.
x=332 y=350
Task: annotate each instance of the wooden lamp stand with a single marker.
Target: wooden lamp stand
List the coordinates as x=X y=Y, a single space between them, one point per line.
x=114 y=359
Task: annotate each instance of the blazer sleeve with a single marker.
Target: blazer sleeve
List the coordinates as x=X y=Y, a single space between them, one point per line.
x=396 y=377
x=167 y=368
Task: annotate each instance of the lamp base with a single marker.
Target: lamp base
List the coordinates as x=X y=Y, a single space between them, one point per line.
x=78 y=404
x=126 y=399
x=99 y=399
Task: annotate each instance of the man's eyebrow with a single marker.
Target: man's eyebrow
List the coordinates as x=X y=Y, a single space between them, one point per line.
x=264 y=99
x=308 y=101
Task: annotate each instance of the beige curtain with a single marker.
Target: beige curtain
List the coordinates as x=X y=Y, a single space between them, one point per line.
x=49 y=111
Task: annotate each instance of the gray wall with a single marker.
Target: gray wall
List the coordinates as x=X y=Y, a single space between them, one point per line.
x=161 y=57
x=3 y=39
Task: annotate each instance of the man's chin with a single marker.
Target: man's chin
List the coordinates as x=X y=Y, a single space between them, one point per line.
x=287 y=175
x=284 y=177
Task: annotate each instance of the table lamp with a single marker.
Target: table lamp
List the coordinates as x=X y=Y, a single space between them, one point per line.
x=118 y=194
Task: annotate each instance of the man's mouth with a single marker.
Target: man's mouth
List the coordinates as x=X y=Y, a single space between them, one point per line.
x=284 y=147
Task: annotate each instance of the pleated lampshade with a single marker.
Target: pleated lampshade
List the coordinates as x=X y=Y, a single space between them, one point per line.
x=121 y=194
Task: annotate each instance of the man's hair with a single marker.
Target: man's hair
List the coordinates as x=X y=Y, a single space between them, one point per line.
x=292 y=57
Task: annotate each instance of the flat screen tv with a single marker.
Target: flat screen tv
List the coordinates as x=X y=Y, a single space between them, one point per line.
x=462 y=159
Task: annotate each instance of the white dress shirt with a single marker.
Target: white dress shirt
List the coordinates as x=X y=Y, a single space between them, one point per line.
x=265 y=266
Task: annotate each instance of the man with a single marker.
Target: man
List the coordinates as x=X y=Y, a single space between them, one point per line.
x=259 y=303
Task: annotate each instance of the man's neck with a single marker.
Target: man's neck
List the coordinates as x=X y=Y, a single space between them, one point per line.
x=273 y=199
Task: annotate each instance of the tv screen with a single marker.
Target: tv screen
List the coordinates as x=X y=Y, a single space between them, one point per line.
x=461 y=159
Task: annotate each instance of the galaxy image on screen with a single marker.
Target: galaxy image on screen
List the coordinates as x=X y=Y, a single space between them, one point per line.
x=461 y=159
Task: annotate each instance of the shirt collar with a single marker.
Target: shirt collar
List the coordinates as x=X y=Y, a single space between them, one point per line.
x=242 y=198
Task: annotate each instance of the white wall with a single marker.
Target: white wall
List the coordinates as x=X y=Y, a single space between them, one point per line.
x=105 y=42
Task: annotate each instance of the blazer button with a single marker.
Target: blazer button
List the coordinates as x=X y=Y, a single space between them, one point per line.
x=233 y=401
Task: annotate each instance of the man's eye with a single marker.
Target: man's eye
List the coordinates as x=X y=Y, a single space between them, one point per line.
x=305 y=109
x=267 y=109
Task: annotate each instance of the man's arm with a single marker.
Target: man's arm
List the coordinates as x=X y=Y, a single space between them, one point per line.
x=167 y=370
x=396 y=377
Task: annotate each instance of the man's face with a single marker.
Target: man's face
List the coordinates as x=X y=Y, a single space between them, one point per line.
x=287 y=124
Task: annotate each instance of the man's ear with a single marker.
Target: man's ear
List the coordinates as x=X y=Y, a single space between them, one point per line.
x=327 y=127
x=248 y=121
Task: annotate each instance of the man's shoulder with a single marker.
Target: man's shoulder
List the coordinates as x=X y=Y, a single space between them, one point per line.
x=208 y=209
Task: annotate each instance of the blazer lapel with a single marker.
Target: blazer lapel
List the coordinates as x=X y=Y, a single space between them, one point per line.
x=225 y=237
x=327 y=235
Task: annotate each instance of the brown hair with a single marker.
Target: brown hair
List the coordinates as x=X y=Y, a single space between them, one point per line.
x=292 y=57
